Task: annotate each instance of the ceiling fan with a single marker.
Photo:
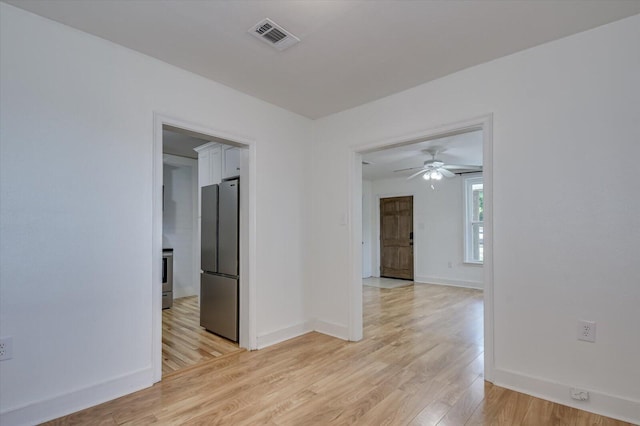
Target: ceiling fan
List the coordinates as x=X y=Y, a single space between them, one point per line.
x=435 y=169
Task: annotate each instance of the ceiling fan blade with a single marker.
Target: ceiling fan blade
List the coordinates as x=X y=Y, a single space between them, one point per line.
x=416 y=174
x=446 y=173
x=410 y=168
x=461 y=167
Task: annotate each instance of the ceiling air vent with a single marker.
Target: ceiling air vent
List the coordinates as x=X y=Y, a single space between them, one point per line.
x=273 y=34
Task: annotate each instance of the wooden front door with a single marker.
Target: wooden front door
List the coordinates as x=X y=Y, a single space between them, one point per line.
x=396 y=237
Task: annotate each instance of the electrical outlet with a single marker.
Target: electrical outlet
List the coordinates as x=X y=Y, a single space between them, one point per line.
x=587 y=331
x=579 y=394
x=6 y=348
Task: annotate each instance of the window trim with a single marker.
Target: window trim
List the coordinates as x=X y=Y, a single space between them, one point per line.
x=468 y=183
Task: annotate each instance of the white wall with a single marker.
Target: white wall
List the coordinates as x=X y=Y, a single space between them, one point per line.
x=367 y=230
x=75 y=184
x=179 y=222
x=438 y=230
x=566 y=232
x=76 y=210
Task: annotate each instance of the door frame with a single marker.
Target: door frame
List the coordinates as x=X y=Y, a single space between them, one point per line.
x=376 y=222
x=248 y=338
x=354 y=293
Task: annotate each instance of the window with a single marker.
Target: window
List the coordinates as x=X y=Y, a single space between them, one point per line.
x=474 y=220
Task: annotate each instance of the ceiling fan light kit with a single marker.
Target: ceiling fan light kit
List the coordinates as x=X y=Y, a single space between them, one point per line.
x=433 y=174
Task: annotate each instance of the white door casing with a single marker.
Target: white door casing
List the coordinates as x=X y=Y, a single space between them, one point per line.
x=485 y=123
x=247 y=232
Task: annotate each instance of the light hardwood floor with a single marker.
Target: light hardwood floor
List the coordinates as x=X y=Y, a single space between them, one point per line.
x=184 y=342
x=420 y=363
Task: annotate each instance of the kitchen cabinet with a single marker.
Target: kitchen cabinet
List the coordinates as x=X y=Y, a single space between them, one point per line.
x=203 y=171
x=231 y=162
x=209 y=164
x=217 y=162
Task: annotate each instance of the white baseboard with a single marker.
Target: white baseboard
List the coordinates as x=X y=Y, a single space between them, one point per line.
x=287 y=333
x=61 y=405
x=332 y=329
x=445 y=281
x=324 y=327
x=600 y=403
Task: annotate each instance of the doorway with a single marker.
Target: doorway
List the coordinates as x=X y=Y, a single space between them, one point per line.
x=360 y=161
x=181 y=329
x=396 y=237
x=185 y=342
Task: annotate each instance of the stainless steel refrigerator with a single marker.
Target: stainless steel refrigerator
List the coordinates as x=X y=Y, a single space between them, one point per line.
x=219 y=279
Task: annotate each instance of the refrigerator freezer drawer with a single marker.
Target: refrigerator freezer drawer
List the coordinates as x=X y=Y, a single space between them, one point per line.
x=219 y=305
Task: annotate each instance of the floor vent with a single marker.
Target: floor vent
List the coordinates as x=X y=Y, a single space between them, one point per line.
x=273 y=34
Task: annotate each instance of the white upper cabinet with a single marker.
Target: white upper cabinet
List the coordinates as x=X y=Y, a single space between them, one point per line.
x=217 y=162
x=231 y=162
x=204 y=174
x=215 y=165
x=209 y=164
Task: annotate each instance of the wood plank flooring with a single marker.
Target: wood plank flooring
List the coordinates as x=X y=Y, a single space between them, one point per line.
x=184 y=342
x=420 y=363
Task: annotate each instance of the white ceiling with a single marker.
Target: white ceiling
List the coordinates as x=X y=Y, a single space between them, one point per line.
x=351 y=52
x=461 y=149
x=179 y=144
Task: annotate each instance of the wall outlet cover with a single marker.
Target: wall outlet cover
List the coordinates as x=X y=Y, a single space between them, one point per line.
x=579 y=394
x=587 y=331
x=6 y=348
